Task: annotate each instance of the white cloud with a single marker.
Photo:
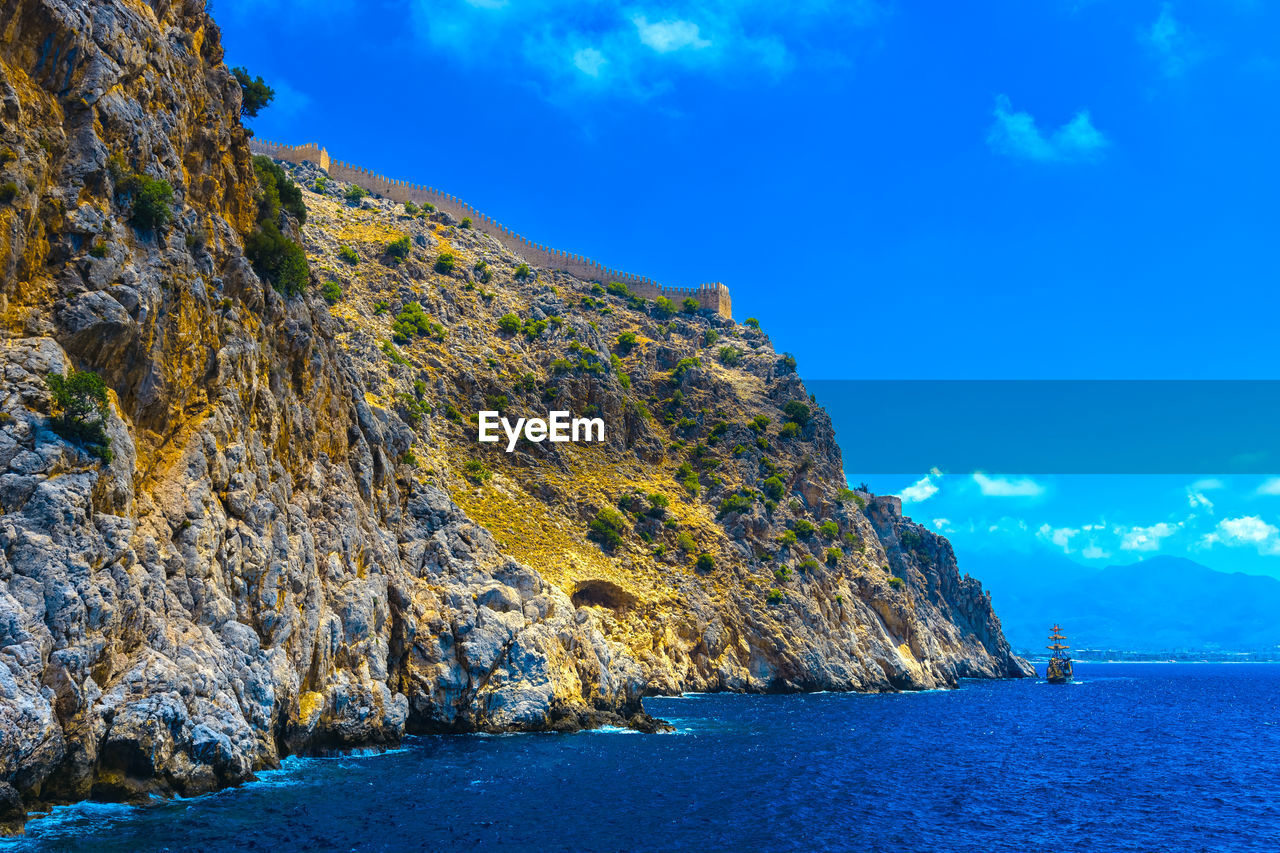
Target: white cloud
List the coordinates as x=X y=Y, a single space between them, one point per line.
x=1093 y=552
x=1247 y=530
x=919 y=491
x=1015 y=134
x=1197 y=499
x=1003 y=487
x=942 y=525
x=1170 y=43
x=558 y=45
x=589 y=61
x=1270 y=486
x=666 y=36
x=1060 y=536
x=1146 y=538
x=1208 y=485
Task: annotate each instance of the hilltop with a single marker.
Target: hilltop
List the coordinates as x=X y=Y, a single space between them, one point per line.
x=244 y=511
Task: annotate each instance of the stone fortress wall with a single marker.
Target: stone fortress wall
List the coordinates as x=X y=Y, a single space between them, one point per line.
x=712 y=297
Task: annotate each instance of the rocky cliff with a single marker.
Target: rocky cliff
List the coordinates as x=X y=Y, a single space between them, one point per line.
x=296 y=543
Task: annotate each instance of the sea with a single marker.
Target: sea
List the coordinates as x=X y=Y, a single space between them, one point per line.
x=1131 y=757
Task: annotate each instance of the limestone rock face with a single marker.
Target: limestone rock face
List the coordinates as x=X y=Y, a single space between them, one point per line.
x=298 y=545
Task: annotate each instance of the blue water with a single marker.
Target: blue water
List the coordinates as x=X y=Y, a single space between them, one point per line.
x=1134 y=757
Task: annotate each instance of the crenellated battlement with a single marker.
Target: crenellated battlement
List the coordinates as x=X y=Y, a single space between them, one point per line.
x=712 y=297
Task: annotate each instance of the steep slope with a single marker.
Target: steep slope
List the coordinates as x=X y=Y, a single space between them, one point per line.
x=296 y=542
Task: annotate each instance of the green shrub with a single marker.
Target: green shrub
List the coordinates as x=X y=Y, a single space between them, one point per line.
x=98 y=249
x=8 y=192
x=705 y=562
x=381 y=307
x=348 y=255
x=663 y=307
x=278 y=259
x=626 y=342
x=509 y=324
x=321 y=185
x=276 y=191
x=523 y=272
x=833 y=556
x=787 y=539
x=255 y=94
x=394 y=354
x=483 y=272
x=687 y=477
x=658 y=504
x=829 y=530
x=844 y=495
x=445 y=263
x=803 y=528
x=413 y=408
x=683 y=366
x=476 y=471
x=80 y=403
x=413 y=322
x=787 y=364
x=774 y=488
x=733 y=503
x=354 y=193
x=853 y=540
x=690 y=306
x=709 y=337
x=759 y=423
x=789 y=430
x=897 y=583
x=331 y=291
x=617 y=288
x=607 y=527
x=407 y=458
x=152 y=202
x=466 y=222
x=730 y=356
x=684 y=542
x=797 y=412
x=775 y=596
x=533 y=329
x=411 y=208
x=399 y=247
x=808 y=564
x=752 y=322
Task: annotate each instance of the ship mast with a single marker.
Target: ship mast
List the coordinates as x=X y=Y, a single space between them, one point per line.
x=1055 y=639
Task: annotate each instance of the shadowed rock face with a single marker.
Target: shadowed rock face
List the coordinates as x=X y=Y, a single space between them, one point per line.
x=261 y=568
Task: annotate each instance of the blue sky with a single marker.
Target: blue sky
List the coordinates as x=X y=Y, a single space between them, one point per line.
x=1054 y=189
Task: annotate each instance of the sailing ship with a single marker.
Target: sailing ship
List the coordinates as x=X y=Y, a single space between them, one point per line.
x=1059 y=671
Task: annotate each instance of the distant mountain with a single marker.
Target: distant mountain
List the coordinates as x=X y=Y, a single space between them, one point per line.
x=1155 y=604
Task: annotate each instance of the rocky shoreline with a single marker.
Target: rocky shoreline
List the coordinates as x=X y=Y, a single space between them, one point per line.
x=296 y=545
